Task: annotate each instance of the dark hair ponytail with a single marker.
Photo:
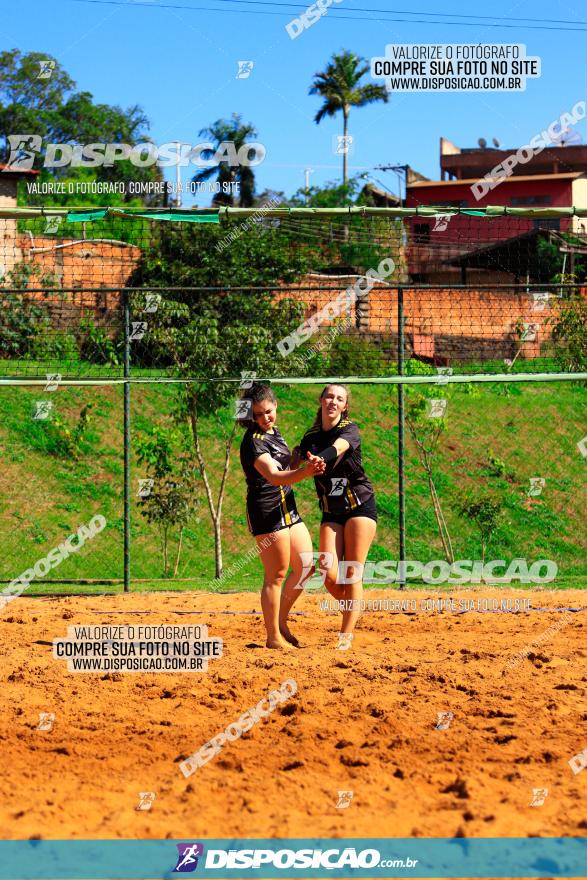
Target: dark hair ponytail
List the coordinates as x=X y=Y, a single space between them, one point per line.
x=256 y=394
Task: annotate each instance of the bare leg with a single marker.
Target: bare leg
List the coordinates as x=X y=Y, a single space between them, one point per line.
x=300 y=542
x=358 y=537
x=332 y=546
x=275 y=559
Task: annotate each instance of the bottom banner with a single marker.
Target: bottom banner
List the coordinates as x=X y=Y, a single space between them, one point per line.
x=303 y=858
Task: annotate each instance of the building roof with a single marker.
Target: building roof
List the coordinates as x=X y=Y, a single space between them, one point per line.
x=7 y=169
x=381 y=197
x=568 y=175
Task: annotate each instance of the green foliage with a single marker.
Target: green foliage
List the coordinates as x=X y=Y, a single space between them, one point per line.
x=486 y=512
x=64 y=441
x=352 y=355
x=569 y=333
x=232 y=131
x=187 y=255
x=550 y=261
x=172 y=500
x=46 y=344
x=331 y=195
x=21 y=318
x=18 y=319
x=495 y=466
x=52 y=109
x=339 y=86
x=96 y=346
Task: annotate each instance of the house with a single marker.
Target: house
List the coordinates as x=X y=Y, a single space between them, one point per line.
x=554 y=178
x=10 y=253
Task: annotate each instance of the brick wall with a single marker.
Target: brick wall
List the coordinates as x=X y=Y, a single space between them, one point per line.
x=440 y=323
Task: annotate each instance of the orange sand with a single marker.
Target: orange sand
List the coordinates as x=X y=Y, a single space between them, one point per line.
x=363 y=720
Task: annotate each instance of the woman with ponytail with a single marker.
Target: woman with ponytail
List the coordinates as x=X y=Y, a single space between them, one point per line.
x=347 y=502
x=272 y=515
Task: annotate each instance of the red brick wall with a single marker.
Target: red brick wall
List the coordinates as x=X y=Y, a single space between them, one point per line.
x=442 y=323
x=83 y=264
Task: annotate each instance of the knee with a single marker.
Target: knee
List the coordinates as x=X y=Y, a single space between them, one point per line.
x=303 y=575
x=329 y=579
x=275 y=578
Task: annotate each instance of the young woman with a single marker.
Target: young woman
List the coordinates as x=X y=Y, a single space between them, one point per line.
x=271 y=511
x=347 y=502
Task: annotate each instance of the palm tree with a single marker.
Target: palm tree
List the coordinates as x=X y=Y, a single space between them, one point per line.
x=235 y=132
x=339 y=86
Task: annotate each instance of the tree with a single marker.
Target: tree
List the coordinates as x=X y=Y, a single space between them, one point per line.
x=231 y=131
x=211 y=335
x=38 y=97
x=339 y=86
x=426 y=422
x=569 y=332
x=331 y=195
x=486 y=512
x=172 y=499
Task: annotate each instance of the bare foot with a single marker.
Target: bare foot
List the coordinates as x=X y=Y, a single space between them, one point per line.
x=279 y=644
x=288 y=635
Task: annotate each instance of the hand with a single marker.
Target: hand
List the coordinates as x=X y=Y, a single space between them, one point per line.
x=316 y=465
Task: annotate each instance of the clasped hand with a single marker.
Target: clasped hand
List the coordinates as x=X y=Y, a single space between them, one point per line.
x=316 y=465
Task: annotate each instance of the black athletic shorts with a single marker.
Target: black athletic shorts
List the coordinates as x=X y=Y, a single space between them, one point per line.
x=367 y=508
x=282 y=516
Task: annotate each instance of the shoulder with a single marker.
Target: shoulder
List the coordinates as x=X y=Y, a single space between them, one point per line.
x=347 y=425
x=349 y=431
x=312 y=430
x=251 y=437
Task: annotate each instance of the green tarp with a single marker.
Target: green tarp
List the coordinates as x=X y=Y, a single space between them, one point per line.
x=181 y=216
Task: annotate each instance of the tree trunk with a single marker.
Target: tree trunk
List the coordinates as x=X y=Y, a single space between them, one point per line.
x=215 y=509
x=178 y=553
x=165 y=556
x=426 y=461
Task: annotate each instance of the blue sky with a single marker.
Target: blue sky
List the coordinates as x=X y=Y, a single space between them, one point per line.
x=180 y=65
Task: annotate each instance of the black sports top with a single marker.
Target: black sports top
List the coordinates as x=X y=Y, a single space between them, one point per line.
x=259 y=491
x=343 y=486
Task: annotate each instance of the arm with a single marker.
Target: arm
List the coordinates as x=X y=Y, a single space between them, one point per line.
x=332 y=453
x=267 y=467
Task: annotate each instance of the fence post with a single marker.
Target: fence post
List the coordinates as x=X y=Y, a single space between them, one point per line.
x=126 y=434
x=401 y=438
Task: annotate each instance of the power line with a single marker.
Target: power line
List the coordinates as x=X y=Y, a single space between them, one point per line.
x=439 y=21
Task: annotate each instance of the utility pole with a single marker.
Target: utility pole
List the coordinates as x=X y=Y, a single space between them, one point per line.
x=178 y=177
x=398 y=168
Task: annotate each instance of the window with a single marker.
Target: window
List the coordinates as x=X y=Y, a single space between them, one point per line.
x=547 y=223
x=523 y=201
